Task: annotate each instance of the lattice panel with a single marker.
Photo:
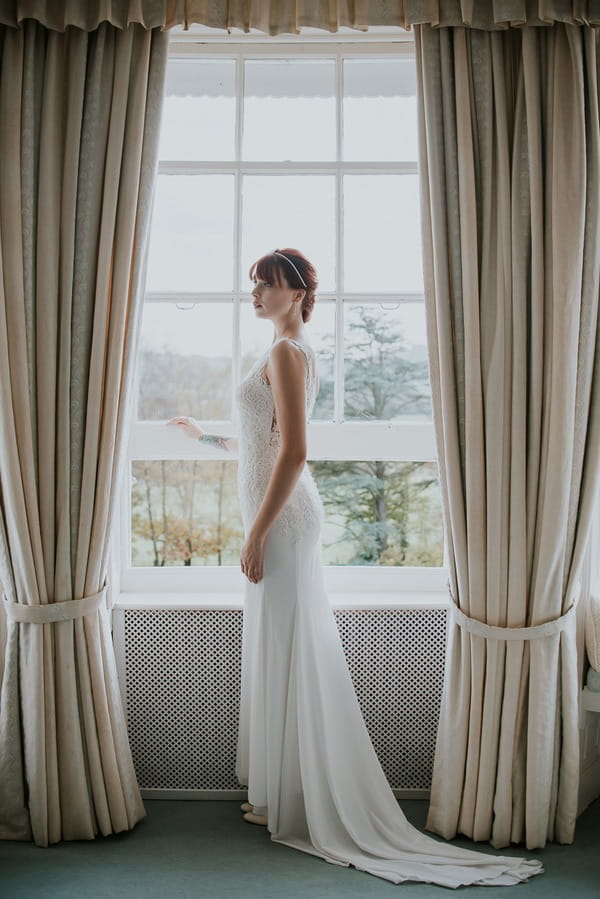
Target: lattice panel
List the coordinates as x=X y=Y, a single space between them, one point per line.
x=182 y=671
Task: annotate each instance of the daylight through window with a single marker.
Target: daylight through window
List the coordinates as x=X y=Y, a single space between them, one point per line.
x=318 y=151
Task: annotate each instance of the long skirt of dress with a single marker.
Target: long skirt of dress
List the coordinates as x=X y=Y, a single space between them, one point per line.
x=304 y=750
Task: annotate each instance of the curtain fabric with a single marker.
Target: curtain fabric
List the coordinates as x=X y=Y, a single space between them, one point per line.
x=510 y=161
x=79 y=120
x=290 y=16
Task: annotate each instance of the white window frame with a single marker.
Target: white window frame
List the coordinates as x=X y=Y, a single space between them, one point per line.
x=337 y=440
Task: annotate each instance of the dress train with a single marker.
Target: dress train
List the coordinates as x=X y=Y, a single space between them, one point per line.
x=304 y=750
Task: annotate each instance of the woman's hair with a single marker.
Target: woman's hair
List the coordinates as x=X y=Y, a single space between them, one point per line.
x=277 y=269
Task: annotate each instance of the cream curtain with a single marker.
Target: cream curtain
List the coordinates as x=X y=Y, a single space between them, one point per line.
x=290 y=16
x=79 y=119
x=510 y=158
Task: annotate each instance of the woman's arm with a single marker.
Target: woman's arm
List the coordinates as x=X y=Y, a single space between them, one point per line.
x=189 y=427
x=286 y=371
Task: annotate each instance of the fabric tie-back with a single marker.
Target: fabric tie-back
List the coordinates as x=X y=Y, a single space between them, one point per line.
x=497 y=632
x=48 y=613
x=290 y=16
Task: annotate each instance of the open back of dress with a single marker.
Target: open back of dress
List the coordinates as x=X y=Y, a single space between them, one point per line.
x=303 y=748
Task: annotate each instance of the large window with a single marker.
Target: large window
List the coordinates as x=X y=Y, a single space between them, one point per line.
x=317 y=150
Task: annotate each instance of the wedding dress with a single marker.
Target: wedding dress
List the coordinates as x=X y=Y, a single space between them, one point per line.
x=303 y=748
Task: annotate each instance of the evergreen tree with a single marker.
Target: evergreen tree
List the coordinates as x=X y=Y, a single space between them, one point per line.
x=375 y=501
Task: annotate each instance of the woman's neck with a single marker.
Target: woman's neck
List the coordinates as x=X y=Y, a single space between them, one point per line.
x=296 y=333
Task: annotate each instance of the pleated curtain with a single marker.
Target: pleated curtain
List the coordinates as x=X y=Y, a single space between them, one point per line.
x=79 y=124
x=510 y=157
x=291 y=16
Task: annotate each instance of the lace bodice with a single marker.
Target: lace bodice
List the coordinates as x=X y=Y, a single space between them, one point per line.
x=258 y=445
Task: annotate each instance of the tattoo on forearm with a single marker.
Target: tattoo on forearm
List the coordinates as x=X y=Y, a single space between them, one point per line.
x=213 y=440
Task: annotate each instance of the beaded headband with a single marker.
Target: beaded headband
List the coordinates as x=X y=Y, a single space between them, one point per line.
x=287 y=259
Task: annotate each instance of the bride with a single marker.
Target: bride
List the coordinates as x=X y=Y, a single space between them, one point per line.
x=304 y=752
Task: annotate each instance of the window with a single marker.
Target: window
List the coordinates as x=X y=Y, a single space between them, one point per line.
x=311 y=146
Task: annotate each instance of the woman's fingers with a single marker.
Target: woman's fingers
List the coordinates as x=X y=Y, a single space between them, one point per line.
x=187 y=425
x=180 y=420
x=251 y=571
x=251 y=560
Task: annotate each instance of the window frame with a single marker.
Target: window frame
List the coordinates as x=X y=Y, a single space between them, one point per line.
x=336 y=440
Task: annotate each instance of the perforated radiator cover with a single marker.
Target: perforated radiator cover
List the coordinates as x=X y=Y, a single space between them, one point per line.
x=182 y=683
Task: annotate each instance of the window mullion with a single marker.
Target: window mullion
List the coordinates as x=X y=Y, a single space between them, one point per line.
x=237 y=221
x=338 y=392
x=237 y=234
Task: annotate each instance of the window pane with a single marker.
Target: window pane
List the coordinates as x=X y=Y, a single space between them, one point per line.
x=386 y=513
x=322 y=337
x=380 y=110
x=386 y=372
x=198 y=119
x=289 y=109
x=191 y=247
x=290 y=211
x=380 y=513
x=257 y=334
x=184 y=513
x=382 y=234
x=185 y=361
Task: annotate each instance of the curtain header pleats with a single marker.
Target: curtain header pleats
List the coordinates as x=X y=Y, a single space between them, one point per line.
x=290 y=16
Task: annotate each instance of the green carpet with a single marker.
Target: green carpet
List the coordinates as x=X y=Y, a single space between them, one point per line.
x=197 y=849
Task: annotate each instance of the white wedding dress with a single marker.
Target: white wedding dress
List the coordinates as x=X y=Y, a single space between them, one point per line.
x=303 y=748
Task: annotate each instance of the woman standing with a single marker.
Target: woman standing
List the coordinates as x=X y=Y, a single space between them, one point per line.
x=303 y=750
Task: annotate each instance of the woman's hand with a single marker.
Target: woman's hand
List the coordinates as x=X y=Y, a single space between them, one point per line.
x=252 y=556
x=187 y=425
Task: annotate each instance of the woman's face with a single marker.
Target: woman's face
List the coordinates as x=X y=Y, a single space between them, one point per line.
x=272 y=300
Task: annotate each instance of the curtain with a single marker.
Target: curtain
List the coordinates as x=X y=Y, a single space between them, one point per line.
x=79 y=120
x=290 y=16
x=510 y=157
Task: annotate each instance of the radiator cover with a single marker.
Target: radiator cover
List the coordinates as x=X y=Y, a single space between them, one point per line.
x=180 y=674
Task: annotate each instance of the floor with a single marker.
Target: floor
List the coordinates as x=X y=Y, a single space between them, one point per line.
x=197 y=849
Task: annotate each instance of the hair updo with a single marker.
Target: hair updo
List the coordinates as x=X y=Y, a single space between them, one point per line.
x=278 y=270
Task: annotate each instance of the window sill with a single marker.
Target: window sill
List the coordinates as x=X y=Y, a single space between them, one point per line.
x=207 y=601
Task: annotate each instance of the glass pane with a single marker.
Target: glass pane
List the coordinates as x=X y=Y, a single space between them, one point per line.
x=386 y=373
x=381 y=513
x=185 y=361
x=184 y=513
x=290 y=211
x=257 y=334
x=191 y=246
x=198 y=119
x=380 y=110
x=382 y=234
x=289 y=109
x=322 y=338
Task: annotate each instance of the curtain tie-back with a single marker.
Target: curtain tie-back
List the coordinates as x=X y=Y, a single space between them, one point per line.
x=47 y=613
x=495 y=632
